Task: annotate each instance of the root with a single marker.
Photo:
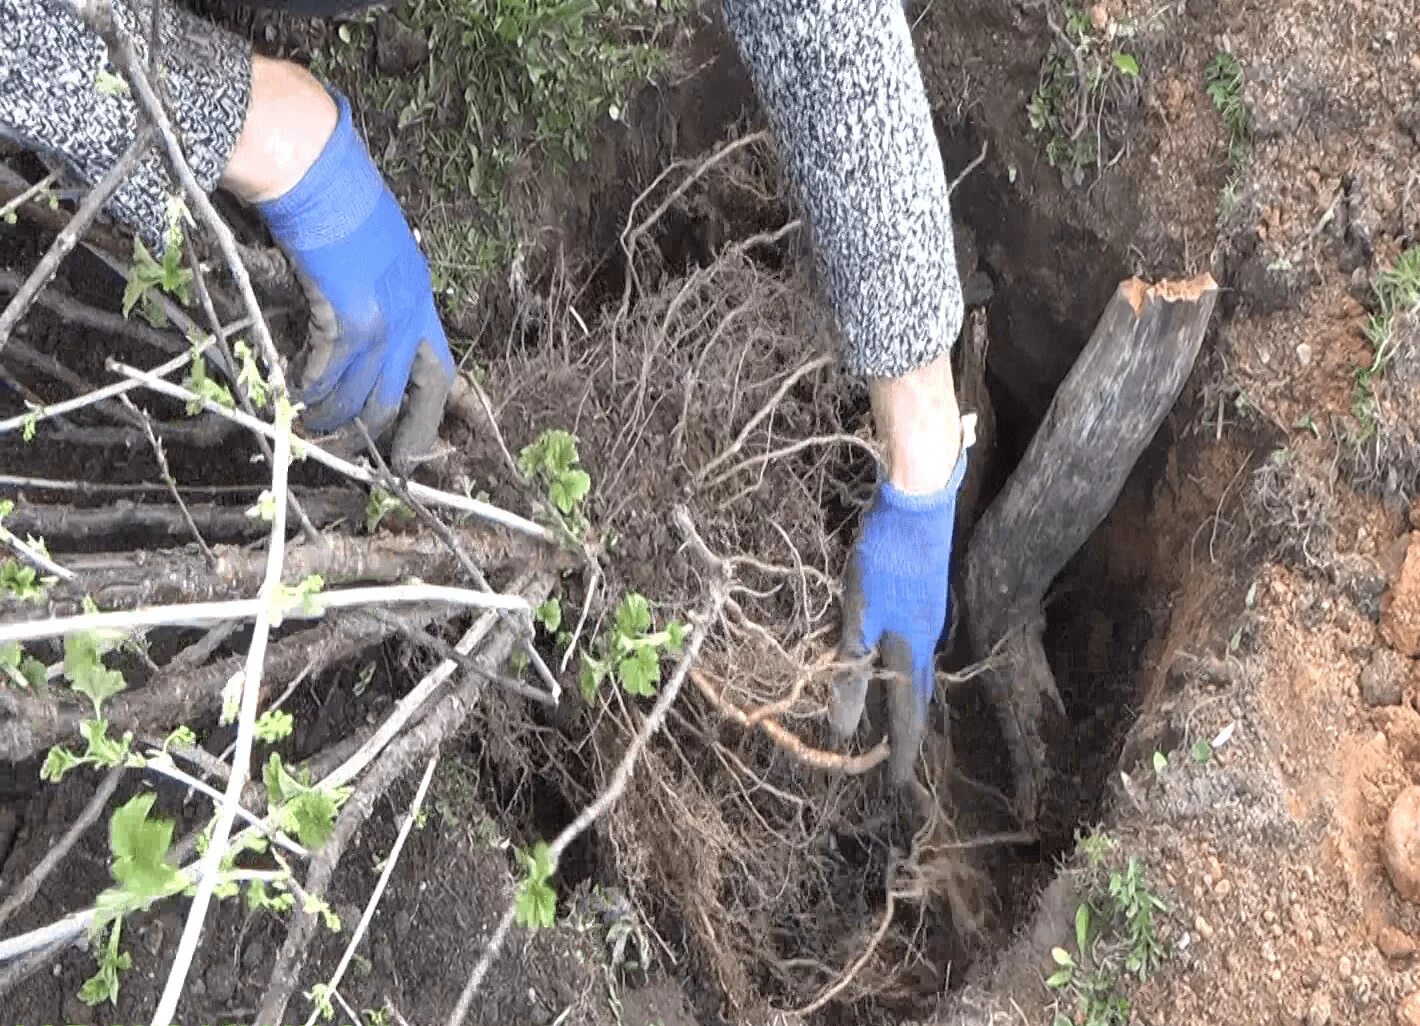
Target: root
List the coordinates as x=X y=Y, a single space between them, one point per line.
x=790 y=743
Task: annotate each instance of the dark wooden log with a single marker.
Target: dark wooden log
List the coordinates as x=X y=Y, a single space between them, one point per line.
x=1107 y=410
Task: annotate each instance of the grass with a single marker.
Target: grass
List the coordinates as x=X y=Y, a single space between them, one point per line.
x=1397 y=293
x=506 y=84
x=1223 y=81
x=1071 y=130
x=1115 y=939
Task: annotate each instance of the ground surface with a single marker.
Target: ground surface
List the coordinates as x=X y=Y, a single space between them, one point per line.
x=1235 y=645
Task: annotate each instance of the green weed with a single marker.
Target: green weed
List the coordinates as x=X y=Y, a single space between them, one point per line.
x=507 y=84
x=630 y=651
x=1115 y=940
x=553 y=462
x=1069 y=128
x=535 y=902
x=1223 y=81
x=1397 y=292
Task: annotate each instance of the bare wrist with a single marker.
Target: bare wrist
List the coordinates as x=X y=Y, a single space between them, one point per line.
x=290 y=119
x=919 y=425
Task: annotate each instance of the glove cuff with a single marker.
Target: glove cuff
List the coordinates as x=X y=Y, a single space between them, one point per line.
x=934 y=502
x=334 y=197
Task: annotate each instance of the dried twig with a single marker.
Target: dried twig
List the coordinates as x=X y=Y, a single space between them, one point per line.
x=431 y=731
x=399 y=487
x=390 y=860
x=108 y=391
x=68 y=238
x=709 y=613
x=256 y=608
x=434 y=496
x=34 y=556
x=30 y=885
x=168 y=479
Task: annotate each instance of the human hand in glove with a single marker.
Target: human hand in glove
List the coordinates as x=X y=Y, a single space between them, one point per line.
x=897 y=586
x=375 y=341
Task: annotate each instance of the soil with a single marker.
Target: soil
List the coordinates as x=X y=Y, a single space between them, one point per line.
x=1256 y=588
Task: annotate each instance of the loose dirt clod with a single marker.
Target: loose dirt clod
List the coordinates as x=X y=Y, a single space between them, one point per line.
x=1402 y=844
x=1400 y=610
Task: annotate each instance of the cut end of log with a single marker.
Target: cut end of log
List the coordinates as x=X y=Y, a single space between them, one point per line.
x=1138 y=291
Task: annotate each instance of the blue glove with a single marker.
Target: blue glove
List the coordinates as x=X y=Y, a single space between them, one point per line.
x=896 y=599
x=374 y=331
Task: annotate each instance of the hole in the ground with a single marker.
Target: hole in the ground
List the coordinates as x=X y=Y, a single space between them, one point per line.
x=1050 y=281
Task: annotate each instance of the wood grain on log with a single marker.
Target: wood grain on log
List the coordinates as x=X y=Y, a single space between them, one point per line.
x=1106 y=412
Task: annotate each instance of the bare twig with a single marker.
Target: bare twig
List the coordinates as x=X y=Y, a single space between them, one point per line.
x=423 y=492
x=437 y=724
x=709 y=614
x=399 y=487
x=108 y=391
x=390 y=860
x=164 y=766
x=67 y=239
x=167 y=473
x=30 y=885
x=33 y=556
x=72 y=310
x=268 y=606
x=29 y=194
x=976 y=162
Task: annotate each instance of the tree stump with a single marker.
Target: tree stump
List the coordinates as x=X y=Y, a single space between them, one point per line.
x=1106 y=411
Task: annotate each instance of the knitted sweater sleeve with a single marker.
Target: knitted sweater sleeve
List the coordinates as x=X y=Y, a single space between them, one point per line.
x=844 y=96
x=51 y=100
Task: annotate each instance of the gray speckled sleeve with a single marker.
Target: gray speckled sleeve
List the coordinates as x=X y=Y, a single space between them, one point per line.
x=50 y=100
x=844 y=95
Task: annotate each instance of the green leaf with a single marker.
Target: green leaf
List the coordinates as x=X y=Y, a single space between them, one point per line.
x=1082 y=929
x=182 y=736
x=274 y=725
x=1201 y=751
x=37 y=674
x=315 y=904
x=549 y=614
x=204 y=388
x=140 y=848
x=379 y=505
x=676 y=632
x=7 y=506
x=1060 y=978
x=590 y=678
x=21 y=580
x=84 y=668
x=249 y=375
x=58 y=762
x=10 y=655
x=569 y=488
x=104 y=750
x=109 y=84
x=1126 y=64
x=640 y=672
x=103 y=985
x=258 y=897
x=1161 y=762
x=308 y=812
x=535 y=901
x=633 y=616
x=1061 y=957
x=30 y=425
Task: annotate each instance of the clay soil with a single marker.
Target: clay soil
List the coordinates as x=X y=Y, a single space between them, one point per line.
x=1256 y=586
